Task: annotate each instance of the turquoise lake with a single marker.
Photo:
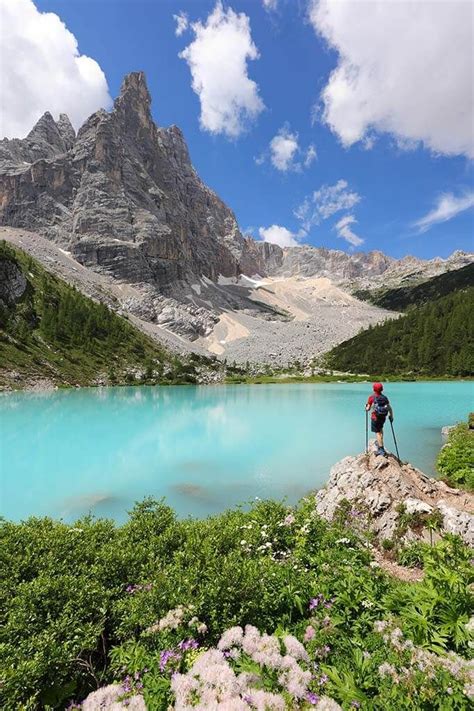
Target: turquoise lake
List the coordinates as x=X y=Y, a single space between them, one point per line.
x=203 y=448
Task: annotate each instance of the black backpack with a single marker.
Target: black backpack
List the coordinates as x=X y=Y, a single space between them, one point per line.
x=381 y=405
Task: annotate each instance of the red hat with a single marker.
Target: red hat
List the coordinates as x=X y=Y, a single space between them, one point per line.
x=378 y=387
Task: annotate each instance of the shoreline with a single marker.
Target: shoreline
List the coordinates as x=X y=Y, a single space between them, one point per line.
x=42 y=386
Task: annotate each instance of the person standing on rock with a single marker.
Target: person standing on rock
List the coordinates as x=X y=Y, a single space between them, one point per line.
x=380 y=406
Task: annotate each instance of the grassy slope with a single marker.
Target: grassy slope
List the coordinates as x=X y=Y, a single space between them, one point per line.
x=433 y=339
x=56 y=333
x=404 y=297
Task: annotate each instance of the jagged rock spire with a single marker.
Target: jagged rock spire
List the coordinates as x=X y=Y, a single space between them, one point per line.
x=66 y=130
x=134 y=100
x=45 y=129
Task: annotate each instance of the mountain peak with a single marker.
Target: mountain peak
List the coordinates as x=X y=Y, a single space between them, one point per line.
x=46 y=131
x=66 y=130
x=133 y=92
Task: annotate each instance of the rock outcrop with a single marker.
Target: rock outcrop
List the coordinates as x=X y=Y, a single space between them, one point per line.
x=13 y=283
x=396 y=500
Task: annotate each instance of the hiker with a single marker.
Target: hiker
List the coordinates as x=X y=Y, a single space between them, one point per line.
x=380 y=406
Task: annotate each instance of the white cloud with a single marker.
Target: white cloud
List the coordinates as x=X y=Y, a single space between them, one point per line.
x=280 y=235
x=285 y=152
x=404 y=68
x=283 y=148
x=218 y=58
x=332 y=198
x=270 y=4
x=343 y=228
x=42 y=70
x=325 y=202
x=310 y=156
x=447 y=207
x=182 y=23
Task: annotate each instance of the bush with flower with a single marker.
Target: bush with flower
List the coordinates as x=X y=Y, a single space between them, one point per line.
x=266 y=608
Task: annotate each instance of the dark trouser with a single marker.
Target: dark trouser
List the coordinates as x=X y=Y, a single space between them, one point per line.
x=377 y=424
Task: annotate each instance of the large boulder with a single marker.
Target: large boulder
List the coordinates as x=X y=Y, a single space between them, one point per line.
x=396 y=500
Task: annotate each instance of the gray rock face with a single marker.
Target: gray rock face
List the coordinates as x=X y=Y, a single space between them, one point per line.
x=122 y=196
x=12 y=282
x=383 y=488
x=359 y=270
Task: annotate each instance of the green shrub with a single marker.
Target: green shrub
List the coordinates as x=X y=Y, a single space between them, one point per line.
x=455 y=462
x=80 y=604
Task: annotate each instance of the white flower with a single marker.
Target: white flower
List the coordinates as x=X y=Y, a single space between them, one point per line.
x=343 y=540
x=374 y=564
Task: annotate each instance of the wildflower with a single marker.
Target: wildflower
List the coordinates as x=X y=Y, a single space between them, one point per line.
x=201 y=628
x=231 y=638
x=288 y=520
x=309 y=633
x=293 y=678
x=243 y=542
x=323 y=680
x=109 y=697
x=344 y=541
x=266 y=701
x=312 y=698
x=172 y=619
x=355 y=704
x=327 y=704
x=387 y=669
x=165 y=657
x=186 y=644
x=469 y=690
x=295 y=648
x=374 y=564
x=380 y=625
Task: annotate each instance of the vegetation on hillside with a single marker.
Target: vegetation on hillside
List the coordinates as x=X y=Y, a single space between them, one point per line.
x=434 y=339
x=455 y=462
x=271 y=608
x=403 y=297
x=52 y=331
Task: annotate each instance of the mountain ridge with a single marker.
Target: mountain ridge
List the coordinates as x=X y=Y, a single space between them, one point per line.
x=123 y=198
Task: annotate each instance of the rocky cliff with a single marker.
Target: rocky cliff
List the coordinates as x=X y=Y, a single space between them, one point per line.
x=122 y=195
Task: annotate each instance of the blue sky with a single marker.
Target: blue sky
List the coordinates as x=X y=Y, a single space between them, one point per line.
x=373 y=181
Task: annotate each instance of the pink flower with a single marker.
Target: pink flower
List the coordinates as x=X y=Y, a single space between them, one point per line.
x=295 y=648
x=231 y=638
x=309 y=633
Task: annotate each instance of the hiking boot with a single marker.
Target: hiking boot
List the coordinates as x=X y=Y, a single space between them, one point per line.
x=380 y=452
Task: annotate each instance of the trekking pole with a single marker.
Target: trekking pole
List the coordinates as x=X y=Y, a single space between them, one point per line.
x=366 y=431
x=395 y=440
